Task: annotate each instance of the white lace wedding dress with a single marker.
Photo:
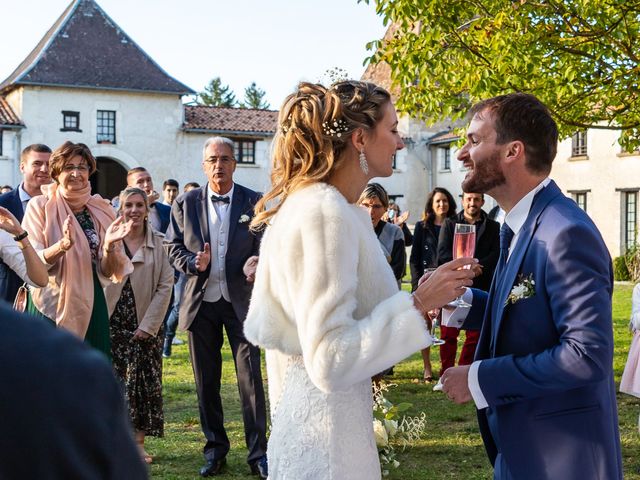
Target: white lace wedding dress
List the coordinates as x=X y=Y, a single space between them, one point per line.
x=326 y=308
x=317 y=435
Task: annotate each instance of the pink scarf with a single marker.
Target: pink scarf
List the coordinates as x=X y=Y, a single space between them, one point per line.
x=73 y=273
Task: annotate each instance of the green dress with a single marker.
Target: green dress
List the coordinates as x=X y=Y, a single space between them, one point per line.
x=98 y=332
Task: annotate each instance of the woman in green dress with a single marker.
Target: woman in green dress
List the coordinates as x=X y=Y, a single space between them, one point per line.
x=69 y=228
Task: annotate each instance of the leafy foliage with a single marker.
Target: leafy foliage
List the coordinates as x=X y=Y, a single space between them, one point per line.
x=620 y=270
x=632 y=262
x=254 y=98
x=580 y=57
x=215 y=94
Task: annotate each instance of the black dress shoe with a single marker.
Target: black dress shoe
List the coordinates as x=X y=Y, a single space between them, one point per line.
x=260 y=467
x=213 y=467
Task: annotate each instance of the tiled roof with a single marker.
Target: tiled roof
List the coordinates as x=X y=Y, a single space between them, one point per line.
x=444 y=137
x=7 y=117
x=227 y=119
x=85 y=48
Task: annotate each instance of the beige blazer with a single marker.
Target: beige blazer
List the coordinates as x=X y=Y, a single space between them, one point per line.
x=151 y=280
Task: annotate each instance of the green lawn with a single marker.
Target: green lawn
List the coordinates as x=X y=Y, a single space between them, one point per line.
x=451 y=447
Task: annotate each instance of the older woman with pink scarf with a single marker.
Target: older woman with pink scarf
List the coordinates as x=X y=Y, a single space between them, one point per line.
x=77 y=236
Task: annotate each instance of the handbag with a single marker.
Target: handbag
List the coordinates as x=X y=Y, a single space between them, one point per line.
x=20 y=302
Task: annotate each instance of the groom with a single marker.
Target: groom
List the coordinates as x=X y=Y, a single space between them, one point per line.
x=542 y=379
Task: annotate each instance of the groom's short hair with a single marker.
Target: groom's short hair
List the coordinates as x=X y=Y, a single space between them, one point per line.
x=521 y=116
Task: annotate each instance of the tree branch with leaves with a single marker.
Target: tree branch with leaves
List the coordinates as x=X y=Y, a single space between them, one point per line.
x=579 y=57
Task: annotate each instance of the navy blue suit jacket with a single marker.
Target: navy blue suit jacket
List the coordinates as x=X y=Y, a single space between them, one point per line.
x=160 y=216
x=187 y=234
x=62 y=409
x=547 y=360
x=9 y=280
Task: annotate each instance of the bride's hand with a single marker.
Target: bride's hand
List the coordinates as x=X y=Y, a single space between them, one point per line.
x=446 y=283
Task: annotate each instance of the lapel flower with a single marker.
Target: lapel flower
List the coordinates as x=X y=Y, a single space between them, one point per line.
x=244 y=218
x=526 y=288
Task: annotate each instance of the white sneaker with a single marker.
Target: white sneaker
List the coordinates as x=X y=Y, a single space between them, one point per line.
x=437 y=387
x=177 y=341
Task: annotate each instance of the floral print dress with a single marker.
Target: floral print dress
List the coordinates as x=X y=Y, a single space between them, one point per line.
x=138 y=364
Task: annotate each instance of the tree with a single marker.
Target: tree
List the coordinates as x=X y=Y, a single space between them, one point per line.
x=215 y=94
x=254 y=98
x=580 y=57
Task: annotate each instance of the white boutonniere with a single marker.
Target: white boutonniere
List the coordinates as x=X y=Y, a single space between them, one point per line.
x=526 y=288
x=244 y=218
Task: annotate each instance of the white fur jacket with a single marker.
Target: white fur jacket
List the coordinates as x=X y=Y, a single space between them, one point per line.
x=324 y=290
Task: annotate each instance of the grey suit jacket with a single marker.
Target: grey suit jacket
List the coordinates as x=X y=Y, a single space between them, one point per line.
x=188 y=232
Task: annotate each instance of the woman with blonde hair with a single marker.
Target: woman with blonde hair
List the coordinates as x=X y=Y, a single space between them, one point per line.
x=137 y=307
x=326 y=305
x=77 y=236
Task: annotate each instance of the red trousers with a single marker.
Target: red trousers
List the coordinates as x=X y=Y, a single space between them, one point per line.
x=450 y=346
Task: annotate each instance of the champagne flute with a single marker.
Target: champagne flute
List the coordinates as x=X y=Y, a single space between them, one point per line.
x=434 y=315
x=464 y=245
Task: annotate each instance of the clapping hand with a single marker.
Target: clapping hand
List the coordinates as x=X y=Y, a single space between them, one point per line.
x=203 y=258
x=117 y=231
x=153 y=197
x=9 y=223
x=402 y=218
x=66 y=242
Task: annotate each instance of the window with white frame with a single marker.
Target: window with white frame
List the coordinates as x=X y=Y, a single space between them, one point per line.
x=579 y=144
x=245 y=151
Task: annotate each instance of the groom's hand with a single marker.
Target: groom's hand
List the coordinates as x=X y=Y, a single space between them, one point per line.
x=455 y=384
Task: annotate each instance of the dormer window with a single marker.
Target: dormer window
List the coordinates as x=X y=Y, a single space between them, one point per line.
x=70 y=121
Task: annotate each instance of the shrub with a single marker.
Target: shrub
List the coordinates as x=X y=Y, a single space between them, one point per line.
x=620 y=271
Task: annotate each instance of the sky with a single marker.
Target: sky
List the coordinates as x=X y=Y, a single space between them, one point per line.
x=275 y=43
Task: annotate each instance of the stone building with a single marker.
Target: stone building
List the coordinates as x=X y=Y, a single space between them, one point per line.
x=88 y=81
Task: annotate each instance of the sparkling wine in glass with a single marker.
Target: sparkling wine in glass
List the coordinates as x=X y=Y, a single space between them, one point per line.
x=464 y=245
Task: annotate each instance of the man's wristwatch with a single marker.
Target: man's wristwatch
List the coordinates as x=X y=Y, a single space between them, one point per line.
x=22 y=236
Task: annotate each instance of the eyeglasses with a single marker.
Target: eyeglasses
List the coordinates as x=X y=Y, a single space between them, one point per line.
x=224 y=160
x=83 y=168
x=375 y=206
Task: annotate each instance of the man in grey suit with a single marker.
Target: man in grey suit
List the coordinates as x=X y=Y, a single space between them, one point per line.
x=209 y=241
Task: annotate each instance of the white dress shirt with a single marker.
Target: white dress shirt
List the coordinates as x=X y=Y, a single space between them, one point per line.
x=515 y=219
x=24 y=197
x=11 y=254
x=218 y=236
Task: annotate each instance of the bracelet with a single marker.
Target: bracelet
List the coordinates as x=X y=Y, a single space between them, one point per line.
x=423 y=311
x=22 y=236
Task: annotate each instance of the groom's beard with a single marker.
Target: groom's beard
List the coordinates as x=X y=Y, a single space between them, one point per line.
x=486 y=175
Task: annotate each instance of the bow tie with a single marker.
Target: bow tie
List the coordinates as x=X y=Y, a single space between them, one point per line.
x=216 y=198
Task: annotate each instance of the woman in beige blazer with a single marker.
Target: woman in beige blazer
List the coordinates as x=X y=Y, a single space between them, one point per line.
x=137 y=307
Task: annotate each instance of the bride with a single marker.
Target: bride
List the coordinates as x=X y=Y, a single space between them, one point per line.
x=325 y=304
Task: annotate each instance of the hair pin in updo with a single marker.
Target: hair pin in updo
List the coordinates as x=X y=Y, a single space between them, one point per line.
x=335 y=127
x=286 y=125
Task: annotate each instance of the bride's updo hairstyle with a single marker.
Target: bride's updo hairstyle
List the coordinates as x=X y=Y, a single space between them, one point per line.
x=314 y=127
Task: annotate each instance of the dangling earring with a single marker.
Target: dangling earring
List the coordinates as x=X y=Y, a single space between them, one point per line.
x=364 y=166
